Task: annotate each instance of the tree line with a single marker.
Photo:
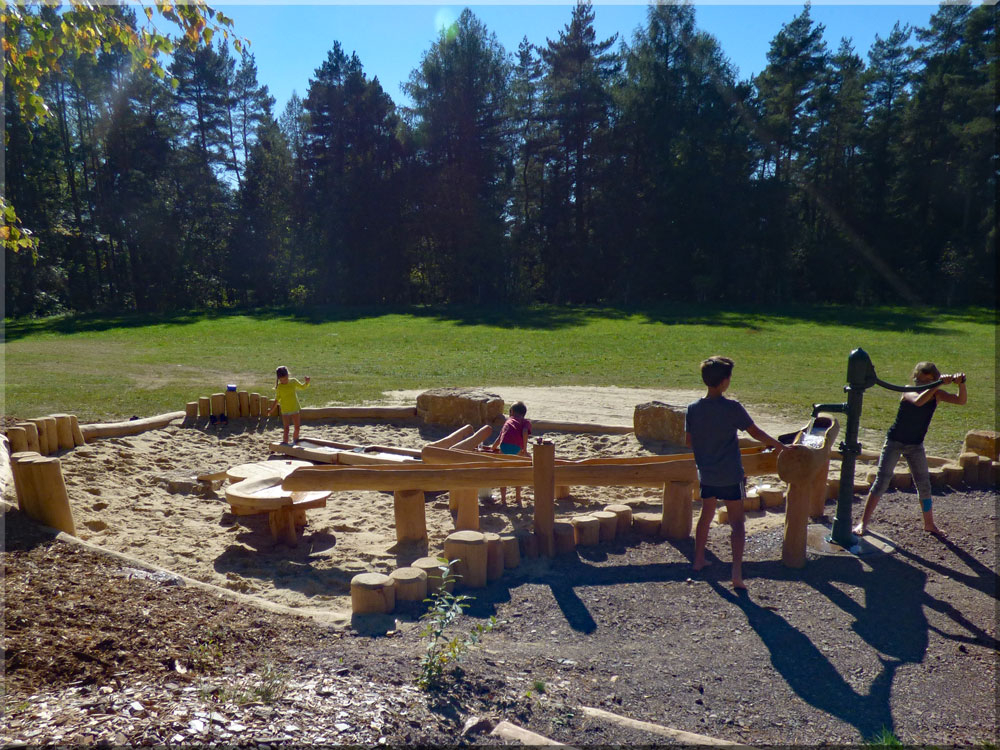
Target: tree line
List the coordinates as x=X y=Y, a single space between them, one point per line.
x=583 y=171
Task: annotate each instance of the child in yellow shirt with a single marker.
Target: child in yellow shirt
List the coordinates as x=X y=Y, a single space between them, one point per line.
x=286 y=398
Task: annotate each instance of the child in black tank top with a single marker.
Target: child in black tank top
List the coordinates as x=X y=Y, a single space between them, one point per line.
x=906 y=438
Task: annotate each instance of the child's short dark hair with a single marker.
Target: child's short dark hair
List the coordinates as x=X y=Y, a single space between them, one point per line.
x=281 y=371
x=716 y=369
x=519 y=409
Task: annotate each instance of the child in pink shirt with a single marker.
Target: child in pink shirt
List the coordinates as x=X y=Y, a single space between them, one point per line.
x=513 y=441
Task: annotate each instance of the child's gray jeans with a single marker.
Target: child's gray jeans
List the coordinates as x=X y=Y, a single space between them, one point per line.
x=915 y=457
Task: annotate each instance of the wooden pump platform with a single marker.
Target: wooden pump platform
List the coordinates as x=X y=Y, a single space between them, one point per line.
x=804 y=466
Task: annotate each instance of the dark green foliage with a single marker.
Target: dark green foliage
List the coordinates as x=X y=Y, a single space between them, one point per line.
x=578 y=171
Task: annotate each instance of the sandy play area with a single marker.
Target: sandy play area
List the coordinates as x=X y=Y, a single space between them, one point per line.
x=121 y=499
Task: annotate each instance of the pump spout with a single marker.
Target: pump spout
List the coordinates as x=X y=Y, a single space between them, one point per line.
x=817 y=408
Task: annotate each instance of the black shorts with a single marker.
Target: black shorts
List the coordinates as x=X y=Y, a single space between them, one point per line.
x=724 y=492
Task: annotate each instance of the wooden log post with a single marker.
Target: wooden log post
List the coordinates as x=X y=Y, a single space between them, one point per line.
x=511 y=551
x=466 y=501
x=773 y=497
x=253 y=404
x=563 y=537
x=191 y=410
x=434 y=569
x=647 y=524
x=31 y=436
x=74 y=425
x=985 y=473
x=608 y=525
x=676 y=520
x=970 y=467
x=797 y=511
x=52 y=435
x=53 y=501
x=43 y=435
x=410 y=584
x=954 y=475
x=18 y=439
x=468 y=551
x=494 y=556
x=563 y=491
x=901 y=478
x=543 y=473
x=373 y=594
x=232 y=404
x=24 y=481
x=204 y=407
x=527 y=544
x=64 y=432
x=218 y=404
x=938 y=477
x=281 y=521
x=411 y=519
x=587 y=530
x=623 y=516
x=244 y=403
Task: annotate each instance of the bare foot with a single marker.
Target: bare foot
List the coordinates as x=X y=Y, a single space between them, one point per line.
x=934 y=530
x=739 y=585
x=860 y=529
x=699 y=564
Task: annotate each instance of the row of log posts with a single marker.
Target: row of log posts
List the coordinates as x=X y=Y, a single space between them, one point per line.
x=46 y=435
x=230 y=404
x=41 y=490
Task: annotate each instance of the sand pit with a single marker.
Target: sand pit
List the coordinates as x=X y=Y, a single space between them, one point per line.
x=122 y=497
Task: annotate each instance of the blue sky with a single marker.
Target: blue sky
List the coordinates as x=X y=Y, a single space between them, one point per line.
x=290 y=41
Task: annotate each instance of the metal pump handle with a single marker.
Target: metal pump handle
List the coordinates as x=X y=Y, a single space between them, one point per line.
x=908 y=388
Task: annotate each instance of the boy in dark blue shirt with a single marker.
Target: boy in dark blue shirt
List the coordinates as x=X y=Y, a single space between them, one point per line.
x=711 y=424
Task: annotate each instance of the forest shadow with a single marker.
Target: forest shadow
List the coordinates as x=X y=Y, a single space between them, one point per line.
x=535 y=317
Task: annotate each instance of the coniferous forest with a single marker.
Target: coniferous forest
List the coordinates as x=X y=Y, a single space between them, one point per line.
x=586 y=171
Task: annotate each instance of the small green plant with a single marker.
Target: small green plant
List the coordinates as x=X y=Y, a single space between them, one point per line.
x=539 y=686
x=885 y=738
x=443 y=651
x=266 y=686
x=207 y=652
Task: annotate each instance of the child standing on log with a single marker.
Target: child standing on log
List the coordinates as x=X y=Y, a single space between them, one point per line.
x=710 y=425
x=286 y=398
x=513 y=441
x=906 y=438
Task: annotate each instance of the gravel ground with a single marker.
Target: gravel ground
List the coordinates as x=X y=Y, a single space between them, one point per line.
x=97 y=652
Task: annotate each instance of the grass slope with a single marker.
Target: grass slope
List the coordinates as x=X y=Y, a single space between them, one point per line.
x=111 y=367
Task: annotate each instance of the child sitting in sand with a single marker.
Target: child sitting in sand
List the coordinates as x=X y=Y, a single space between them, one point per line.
x=286 y=398
x=513 y=441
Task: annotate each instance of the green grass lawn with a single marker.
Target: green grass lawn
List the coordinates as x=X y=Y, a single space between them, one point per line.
x=104 y=368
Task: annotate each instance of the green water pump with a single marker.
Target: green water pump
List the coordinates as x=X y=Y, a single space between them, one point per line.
x=860 y=377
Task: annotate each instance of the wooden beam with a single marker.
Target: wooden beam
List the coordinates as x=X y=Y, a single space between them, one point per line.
x=679 y=735
x=449 y=440
x=507 y=731
x=544 y=425
x=358 y=412
x=132 y=427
